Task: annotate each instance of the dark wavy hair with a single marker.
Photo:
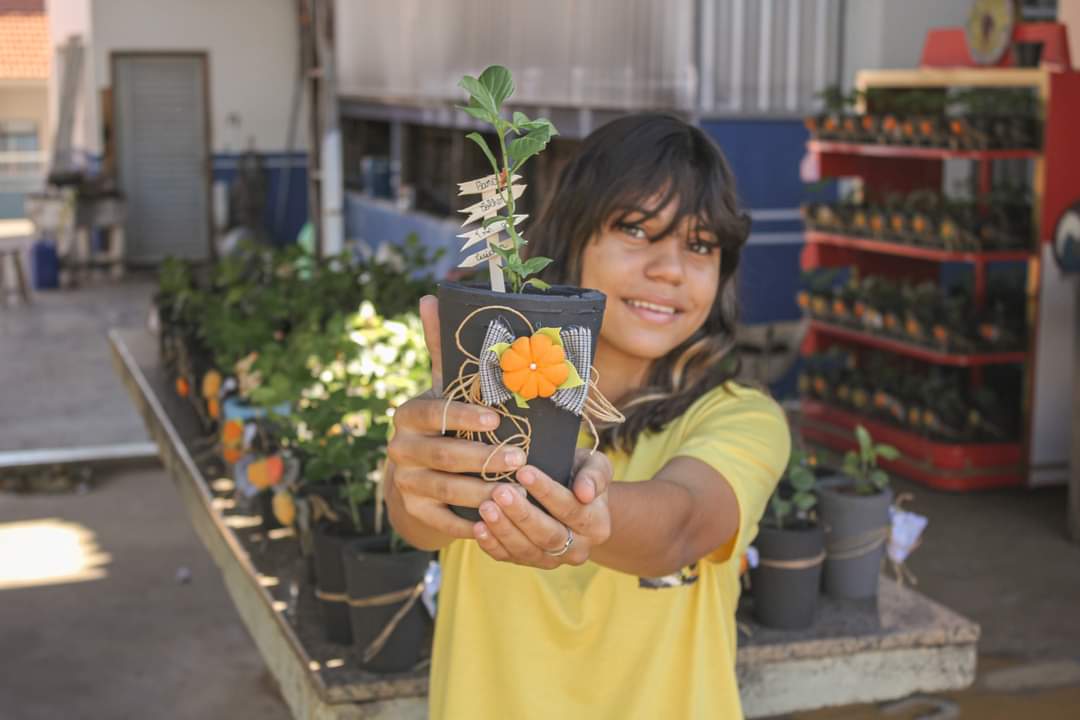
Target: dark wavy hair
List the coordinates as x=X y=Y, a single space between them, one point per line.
x=619 y=169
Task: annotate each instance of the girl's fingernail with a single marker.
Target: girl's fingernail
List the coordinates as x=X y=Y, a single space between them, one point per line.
x=481 y=531
x=525 y=477
x=490 y=512
x=489 y=420
x=504 y=497
x=514 y=458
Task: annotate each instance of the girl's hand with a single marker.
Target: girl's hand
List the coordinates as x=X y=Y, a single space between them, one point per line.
x=514 y=530
x=428 y=469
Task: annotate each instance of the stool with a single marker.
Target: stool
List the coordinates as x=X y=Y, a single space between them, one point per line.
x=11 y=258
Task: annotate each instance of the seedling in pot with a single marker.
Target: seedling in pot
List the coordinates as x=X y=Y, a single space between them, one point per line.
x=527 y=138
x=862 y=464
x=794 y=500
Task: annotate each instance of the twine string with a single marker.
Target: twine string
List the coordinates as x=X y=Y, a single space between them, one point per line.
x=859 y=545
x=797 y=564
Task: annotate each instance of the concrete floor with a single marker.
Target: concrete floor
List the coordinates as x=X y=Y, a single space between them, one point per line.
x=59 y=387
x=134 y=641
x=100 y=627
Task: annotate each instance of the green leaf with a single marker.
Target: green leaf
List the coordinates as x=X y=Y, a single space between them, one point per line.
x=887 y=451
x=880 y=478
x=538 y=283
x=804 y=501
x=479 y=140
x=573 y=380
x=782 y=507
x=521 y=120
x=520 y=401
x=801 y=479
x=480 y=93
x=523 y=148
x=488 y=222
x=478 y=112
x=535 y=265
x=498 y=82
x=499 y=349
x=552 y=332
x=865 y=443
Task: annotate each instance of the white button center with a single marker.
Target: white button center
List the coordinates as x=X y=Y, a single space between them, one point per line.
x=532 y=366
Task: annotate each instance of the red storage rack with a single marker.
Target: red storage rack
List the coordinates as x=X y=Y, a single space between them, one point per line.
x=890 y=168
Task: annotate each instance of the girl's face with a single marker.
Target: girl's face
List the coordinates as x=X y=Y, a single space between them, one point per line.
x=658 y=293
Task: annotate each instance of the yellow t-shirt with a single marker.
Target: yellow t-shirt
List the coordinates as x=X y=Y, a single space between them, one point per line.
x=516 y=643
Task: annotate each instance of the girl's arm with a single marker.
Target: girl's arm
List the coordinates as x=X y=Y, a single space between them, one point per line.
x=650 y=529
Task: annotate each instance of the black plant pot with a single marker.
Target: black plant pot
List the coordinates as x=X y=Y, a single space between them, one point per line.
x=329 y=544
x=266 y=510
x=1027 y=54
x=787 y=580
x=856 y=532
x=330 y=492
x=554 y=430
x=371 y=570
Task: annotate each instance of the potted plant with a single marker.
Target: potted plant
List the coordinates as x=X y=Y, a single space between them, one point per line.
x=854 y=511
x=520 y=346
x=791 y=549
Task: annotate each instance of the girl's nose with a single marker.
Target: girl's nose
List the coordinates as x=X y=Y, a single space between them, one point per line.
x=665 y=262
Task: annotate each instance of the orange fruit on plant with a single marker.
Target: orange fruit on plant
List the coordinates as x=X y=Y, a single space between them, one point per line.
x=182 y=388
x=213 y=408
x=232 y=455
x=284 y=508
x=534 y=367
x=211 y=384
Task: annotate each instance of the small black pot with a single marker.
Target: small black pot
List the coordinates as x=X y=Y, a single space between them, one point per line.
x=786 y=597
x=1027 y=54
x=372 y=570
x=329 y=544
x=853 y=525
x=266 y=510
x=554 y=431
x=330 y=491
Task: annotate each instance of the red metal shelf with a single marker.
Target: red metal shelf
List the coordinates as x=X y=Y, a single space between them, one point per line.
x=916 y=351
x=914 y=151
x=945 y=466
x=884 y=247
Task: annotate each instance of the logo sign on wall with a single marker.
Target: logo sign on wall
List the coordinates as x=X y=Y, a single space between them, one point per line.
x=1067 y=239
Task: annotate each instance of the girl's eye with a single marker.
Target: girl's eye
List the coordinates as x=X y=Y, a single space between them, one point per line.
x=635 y=231
x=702 y=247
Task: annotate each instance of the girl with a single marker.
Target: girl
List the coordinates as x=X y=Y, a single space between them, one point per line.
x=621 y=602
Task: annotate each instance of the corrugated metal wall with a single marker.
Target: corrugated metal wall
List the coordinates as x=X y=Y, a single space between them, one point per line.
x=713 y=56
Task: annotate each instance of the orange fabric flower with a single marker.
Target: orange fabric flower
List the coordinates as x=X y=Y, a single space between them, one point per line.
x=534 y=367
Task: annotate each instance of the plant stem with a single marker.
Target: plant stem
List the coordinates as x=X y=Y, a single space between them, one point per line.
x=515 y=281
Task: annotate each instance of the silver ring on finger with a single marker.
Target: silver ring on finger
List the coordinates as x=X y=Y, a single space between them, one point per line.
x=566 y=546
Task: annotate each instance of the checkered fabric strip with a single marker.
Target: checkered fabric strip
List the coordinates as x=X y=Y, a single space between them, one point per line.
x=577 y=343
x=492 y=390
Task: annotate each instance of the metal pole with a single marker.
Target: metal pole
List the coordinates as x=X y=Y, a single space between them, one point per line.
x=332 y=182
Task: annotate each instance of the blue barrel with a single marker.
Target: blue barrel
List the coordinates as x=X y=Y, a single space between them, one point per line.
x=44 y=266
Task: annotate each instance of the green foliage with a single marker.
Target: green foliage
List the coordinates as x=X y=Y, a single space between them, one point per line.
x=794 y=497
x=529 y=137
x=862 y=464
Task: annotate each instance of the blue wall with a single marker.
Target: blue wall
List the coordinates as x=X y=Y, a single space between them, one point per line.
x=765 y=157
x=278 y=167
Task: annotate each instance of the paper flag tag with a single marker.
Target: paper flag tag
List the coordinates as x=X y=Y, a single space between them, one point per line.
x=475 y=236
x=906 y=529
x=473 y=187
x=486 y=254
x=490 y=205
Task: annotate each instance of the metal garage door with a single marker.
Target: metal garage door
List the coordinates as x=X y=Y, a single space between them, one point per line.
x=162 y=155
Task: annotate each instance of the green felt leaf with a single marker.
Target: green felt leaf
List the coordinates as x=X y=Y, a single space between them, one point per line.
x=573 y=379
x=520 y=401
x=553 y=333
x=499 y=349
